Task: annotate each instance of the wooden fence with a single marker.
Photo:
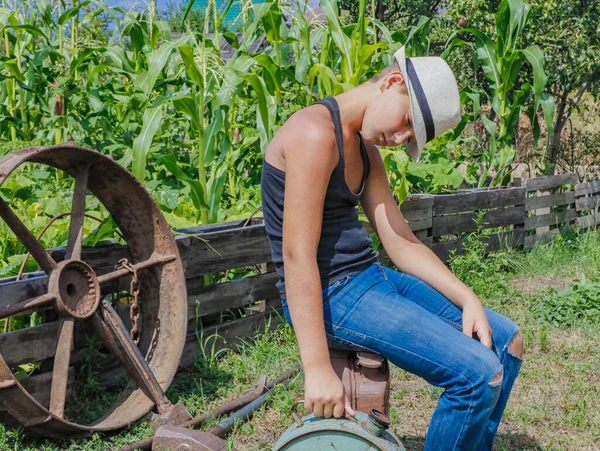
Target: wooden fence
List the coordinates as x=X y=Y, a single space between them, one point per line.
x=530 y=211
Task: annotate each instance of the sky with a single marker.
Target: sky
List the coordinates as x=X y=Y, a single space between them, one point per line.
x=162 y=4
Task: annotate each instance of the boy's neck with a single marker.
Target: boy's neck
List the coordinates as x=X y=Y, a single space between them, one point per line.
x=353 y=104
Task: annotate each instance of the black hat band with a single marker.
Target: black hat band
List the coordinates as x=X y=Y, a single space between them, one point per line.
x=421 y=100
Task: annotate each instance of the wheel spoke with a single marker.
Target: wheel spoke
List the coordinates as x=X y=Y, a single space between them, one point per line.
x=60 y=374
x=157 y=260
x=113 y=332
x=29 y=304
x=77 y=215
x=29 y=241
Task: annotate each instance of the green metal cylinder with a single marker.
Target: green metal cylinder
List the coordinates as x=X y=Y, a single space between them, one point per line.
x=360 y=433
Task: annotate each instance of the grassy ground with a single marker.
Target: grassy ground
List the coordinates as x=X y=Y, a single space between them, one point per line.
x=552 y=292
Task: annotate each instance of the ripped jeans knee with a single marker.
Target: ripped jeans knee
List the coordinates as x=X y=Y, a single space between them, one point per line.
x=497 y=379
x=515 y=346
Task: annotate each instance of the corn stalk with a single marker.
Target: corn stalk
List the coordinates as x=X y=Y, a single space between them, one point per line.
x=502 y=63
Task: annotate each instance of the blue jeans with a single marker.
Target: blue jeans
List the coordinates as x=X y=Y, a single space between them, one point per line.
x=419 y=330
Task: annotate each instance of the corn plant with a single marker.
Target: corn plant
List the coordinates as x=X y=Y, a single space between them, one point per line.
x=502 y=63
x=205 y=127
x=190 y=125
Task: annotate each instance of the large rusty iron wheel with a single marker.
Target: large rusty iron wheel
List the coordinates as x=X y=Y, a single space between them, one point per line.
x=74 y=292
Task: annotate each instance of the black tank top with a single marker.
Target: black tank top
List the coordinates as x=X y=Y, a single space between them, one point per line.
x=345 y=246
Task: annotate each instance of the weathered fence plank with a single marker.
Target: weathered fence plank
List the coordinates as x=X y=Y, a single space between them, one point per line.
x=28 y=345
x=587 y=203
x=39 y=342
x=553 y=218
x=39 y=385
x=552 y=200
x=422 y=223
x=217 y=251
x=417 y=202
x=453 y=224
x=245 y=247
x=417 y=210
x=236 y=293
x=203 y=249
x=494 y=241
x=589 y=221
x=229 y=334
x=102 y=259
x=541 y=204
x=582 y=189
x=477 y=200
x=550 y=181
x=544 y=237
x=588 y=198
x=13 y=291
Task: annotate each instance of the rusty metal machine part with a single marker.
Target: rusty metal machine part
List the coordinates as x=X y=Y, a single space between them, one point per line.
x=176 y=438
x=366 y=379
x=230 y=406
x=74 y=291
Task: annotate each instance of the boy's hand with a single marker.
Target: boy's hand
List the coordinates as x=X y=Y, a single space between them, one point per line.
x=475 y=321
x=324 y=394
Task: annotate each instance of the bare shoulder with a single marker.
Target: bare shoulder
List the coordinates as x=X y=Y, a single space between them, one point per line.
x=308 y=135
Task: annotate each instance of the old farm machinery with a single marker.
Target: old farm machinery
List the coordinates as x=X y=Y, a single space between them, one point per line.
x=74 y=296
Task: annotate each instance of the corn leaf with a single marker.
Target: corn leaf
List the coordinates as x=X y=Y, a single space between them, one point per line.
x=141 y=144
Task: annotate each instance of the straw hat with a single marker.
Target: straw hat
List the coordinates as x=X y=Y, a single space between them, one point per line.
x=433 y=95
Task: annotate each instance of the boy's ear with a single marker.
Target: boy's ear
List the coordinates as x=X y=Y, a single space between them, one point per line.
x=392 y=79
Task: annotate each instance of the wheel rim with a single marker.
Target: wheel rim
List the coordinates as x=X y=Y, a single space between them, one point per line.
x=74 y=292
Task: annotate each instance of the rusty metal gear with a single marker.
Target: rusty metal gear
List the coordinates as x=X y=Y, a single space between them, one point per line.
x=75 y=292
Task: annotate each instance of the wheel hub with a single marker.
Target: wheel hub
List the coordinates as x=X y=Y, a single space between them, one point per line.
x=76 y=287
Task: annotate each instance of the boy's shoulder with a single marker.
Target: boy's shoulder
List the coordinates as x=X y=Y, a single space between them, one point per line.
x=307 y=132
x=310 y=124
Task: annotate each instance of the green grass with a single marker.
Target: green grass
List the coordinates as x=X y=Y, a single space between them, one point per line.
x=555 y=404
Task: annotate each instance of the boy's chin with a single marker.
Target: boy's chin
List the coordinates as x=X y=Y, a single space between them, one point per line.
x=370 y=140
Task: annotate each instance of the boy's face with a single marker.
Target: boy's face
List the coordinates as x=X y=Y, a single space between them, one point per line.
x=388 y=118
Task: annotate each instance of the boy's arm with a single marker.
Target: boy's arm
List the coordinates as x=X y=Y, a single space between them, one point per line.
x=308 y=169
x=310 y=158
x=405 y=250
x=410 y=255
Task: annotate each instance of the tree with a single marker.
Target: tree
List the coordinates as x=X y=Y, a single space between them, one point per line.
x=394 y=13
x=571 y=42
x=175 y=14
x=567 y=34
